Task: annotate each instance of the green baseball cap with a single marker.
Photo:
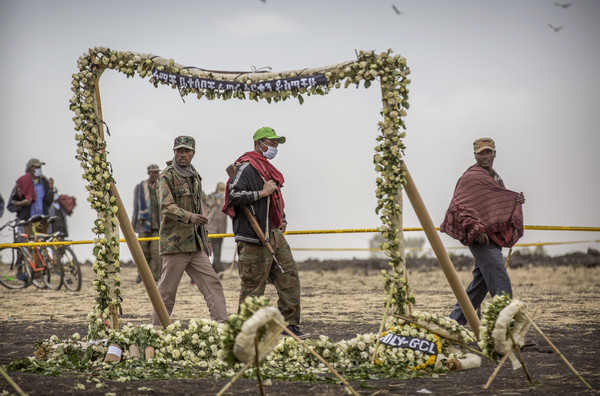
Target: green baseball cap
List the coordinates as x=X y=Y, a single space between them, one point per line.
x=187 y=142
x=268 y=133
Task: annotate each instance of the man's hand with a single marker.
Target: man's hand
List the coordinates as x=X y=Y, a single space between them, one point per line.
x=198 y=219
x=521 y=198
x=482 y=239
x=269 y=188
x=283 y=227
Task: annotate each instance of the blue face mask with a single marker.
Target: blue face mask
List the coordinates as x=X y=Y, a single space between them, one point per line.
x=37 y=172
x=270 y=153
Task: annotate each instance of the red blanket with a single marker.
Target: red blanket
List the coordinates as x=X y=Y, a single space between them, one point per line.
x=481 y=205
x=268 y=172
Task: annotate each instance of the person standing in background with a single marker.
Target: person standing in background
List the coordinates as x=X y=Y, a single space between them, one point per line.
x=33 y=194
x=146 y=219
x=217 y=224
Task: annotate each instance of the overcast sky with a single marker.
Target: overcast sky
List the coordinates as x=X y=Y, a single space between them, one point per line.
x=479 y=68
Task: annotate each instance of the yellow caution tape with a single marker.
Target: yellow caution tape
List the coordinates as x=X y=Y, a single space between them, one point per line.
x=307 y=232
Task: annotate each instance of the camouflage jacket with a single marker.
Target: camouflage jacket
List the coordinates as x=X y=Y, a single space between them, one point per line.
x=180 y=197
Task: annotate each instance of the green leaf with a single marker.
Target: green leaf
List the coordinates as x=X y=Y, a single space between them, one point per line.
x=300 y=99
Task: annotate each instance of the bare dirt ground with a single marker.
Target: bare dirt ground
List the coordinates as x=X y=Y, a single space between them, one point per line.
x=340 y=299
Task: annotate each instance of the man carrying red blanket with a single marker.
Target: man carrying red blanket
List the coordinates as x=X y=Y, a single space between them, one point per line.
x=484 y=216
x=257 y=184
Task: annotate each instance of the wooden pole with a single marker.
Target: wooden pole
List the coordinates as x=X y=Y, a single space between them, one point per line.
x=385 y=314
x=315 y=354
x=440 y=252
x=257 y=364
x=495 y=373
x=557 y=351
x=140 y=260
x=519 y=356
x=397 y=221
x=12 y=383
x=129 y=234
x=250 y=363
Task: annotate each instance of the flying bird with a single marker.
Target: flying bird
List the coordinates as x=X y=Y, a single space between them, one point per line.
x=555 y=28
x=396 y=10
x=563 y=5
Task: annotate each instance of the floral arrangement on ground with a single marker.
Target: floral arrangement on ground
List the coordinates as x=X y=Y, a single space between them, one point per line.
x=204 y=349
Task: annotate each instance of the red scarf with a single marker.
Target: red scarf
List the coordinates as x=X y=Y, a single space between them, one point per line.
x=481 y=205
x=268 y=172
x=25 y=186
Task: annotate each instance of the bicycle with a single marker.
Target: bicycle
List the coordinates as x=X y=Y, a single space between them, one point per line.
x=23 y=266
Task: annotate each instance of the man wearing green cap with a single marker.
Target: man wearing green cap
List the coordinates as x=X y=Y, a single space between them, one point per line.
x=257 y=184
x=182 y=237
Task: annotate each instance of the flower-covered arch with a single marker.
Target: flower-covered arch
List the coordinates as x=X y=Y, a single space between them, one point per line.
x=389 y=69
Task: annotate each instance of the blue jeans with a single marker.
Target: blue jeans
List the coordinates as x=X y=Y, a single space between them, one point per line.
x=489 y=274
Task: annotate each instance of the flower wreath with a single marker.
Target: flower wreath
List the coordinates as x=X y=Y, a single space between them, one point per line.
x=488 y=321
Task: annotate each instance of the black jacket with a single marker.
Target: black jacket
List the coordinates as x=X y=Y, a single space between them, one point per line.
x=243 y=190
x=24 y=212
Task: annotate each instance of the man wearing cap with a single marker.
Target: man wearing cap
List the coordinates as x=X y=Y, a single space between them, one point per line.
x=257 y=184
x=217 y=224
x=484 y=216
x=33 y=194
x=183 y=239
x=146 y=219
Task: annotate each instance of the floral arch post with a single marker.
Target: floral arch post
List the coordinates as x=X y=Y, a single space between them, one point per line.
x=392 y=73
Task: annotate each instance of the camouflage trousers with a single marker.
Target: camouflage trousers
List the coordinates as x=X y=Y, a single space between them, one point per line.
x=257 y=267
x=150 y=250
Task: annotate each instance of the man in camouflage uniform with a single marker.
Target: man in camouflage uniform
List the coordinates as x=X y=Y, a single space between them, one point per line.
x=146 y=219
x=182 y=236
x=257 y=184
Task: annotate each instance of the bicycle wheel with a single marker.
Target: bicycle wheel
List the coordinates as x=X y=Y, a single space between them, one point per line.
x=13 y=272
x=53 y=273
x=36 y=275
x=72 y=270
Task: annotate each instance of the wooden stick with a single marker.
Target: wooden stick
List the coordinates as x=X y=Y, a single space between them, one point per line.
x=12 y=383
x=233 y=260
x=495 y=373
x=440 y=252
x=387 y=308
x=519 y=356
x=315 y=354
x=557 y=351
x=508 y=258
x=257 y=364
x=243 y=370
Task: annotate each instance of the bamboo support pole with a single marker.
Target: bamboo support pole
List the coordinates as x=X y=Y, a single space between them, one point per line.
x=315 y=354
x=12 y=383
x=520 y=357
x=130 y=237
x=558 y=352
x=140 y=260
x=440 y=251
x=387 y=308
x=397 y=220
x=257 y=364
x=496 y=370
x=243 y=370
